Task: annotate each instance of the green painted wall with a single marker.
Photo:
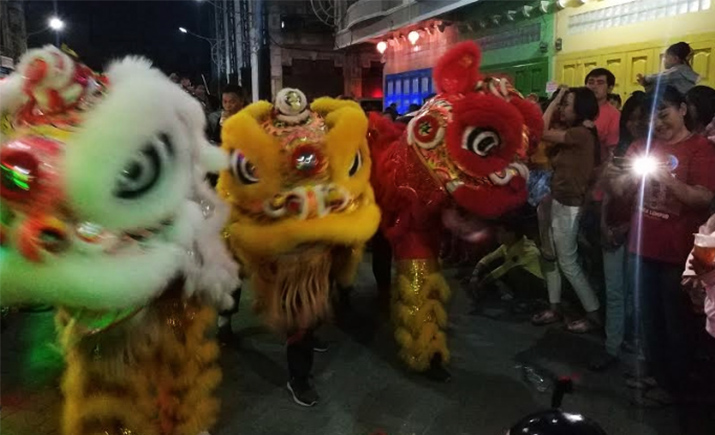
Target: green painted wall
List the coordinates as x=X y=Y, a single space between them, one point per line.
x=520 y=53
x=528 y=77
x=526 y=63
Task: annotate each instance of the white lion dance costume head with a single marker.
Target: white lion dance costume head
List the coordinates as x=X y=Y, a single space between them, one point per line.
x=105 y=215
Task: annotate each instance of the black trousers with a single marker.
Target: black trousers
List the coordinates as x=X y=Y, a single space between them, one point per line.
x=300 y=354
x=382 y=261
x=668 y=324
x=236 y=295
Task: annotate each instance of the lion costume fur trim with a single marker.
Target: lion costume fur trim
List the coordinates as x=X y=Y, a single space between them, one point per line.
x=420 y=293
x=163 y=355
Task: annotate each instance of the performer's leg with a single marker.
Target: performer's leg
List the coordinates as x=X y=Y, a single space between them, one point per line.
x=299 y=352
x=225 y=333
x=420 y=317
x=382 y=266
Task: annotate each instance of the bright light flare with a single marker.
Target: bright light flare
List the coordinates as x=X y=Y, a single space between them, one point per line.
x=183 y=30
x=381 y=47
x=645 y=165
x=413 y=36
x=56 y=24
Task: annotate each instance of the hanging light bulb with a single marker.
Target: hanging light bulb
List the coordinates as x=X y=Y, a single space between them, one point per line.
x=413 y=36
x=544 y=6
x=526 y=11
x=511 y=15
x=381 y=47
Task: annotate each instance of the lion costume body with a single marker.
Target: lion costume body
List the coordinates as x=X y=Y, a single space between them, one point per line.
x=302 y=203
x=106 y=216
x=462 y=150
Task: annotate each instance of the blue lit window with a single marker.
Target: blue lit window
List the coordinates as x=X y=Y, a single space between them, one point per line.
x=410 y=87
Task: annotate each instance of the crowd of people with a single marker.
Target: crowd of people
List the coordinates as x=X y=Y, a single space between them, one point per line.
x=618 y=234
x=623 y=190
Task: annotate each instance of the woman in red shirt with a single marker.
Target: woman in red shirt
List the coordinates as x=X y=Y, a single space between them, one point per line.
x=672 y=169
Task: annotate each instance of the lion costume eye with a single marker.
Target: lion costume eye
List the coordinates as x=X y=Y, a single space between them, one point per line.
x=243 y=169
x=480 y=141
x=425 y=131
x=357 y=164
x=143 y=170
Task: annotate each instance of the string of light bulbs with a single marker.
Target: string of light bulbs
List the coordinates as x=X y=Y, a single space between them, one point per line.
x=511 y=15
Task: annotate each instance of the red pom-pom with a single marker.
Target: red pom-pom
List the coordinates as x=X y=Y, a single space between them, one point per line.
x=457 y=71
x=533 y=119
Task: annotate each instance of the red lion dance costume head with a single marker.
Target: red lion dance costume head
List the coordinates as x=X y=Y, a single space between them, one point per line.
x=463 y=150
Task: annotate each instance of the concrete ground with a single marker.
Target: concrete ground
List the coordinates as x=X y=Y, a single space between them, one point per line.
x=363 y=387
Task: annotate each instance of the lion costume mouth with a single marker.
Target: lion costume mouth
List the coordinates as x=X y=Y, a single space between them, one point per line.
x=38 y=238
x=309 y=202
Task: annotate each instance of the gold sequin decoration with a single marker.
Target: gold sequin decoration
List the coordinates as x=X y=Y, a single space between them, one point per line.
x=417 y=271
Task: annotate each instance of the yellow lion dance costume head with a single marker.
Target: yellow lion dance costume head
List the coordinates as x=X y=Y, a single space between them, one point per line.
x=302 y=205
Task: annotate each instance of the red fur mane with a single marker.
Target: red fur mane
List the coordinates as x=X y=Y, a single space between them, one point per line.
x=457 y=72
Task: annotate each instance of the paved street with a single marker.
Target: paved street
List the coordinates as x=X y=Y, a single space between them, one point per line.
x=362 y=386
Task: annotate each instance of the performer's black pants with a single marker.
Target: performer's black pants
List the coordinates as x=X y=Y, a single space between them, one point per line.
x=381 y=261
x=236 y=295
x=300 y=354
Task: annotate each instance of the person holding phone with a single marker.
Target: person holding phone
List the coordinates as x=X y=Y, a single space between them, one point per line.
x=615 y=223
x=676 y=192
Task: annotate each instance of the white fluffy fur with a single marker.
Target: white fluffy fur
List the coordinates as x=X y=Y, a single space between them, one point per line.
x=60 y=65
x=60 y=73
x=11 y=96
x=141 y=103
x=95 y=282
x=217 y=270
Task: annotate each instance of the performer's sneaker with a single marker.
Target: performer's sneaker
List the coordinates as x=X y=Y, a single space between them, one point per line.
x=436 y=371
x=225 y=335
x=303 y=392
x=319 y=345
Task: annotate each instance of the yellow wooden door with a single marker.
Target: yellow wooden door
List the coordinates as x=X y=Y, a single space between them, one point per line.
x=567 y=72
x=627 y=61
x=589 y=64
x=615 y=62
x=638 y=62
x=704 y=62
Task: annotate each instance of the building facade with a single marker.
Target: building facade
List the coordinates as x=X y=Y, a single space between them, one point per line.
x=629 y=37
x=533 y=43
x=13 y=35
x=516 y=39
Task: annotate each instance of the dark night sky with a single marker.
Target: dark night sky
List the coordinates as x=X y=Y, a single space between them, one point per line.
x=101 y=30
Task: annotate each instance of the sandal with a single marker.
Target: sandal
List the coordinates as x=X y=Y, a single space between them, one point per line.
x=603 y=363
x=653 y=398
x=546 y=317
x=644 y=383
x=582 y=326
